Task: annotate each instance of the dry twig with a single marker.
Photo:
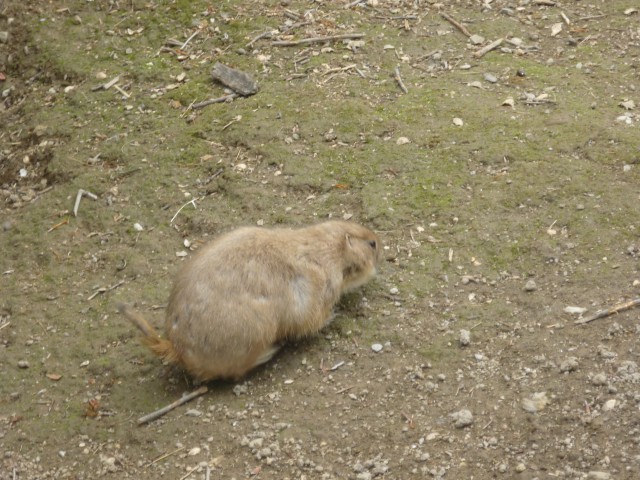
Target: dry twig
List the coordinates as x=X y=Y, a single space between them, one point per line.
x=192 y=201
x=58 y=225
x=223 y=99
x=306 y=41
x=184 y=399
x=82 y=193
x=182 y=47
x=609 y=311
x=486 y=49
x=163 y=456
x=456 y=24
x=398 y=78
x=105 y=289
x=266 y=34
x=188 y=474
x=108 y=85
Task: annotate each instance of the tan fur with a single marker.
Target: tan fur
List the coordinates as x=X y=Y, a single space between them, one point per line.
x=247 y=291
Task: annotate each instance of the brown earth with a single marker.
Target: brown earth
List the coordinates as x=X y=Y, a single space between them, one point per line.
x=504 y=186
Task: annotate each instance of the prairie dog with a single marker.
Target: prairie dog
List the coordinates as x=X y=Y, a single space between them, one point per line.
x=244 y=293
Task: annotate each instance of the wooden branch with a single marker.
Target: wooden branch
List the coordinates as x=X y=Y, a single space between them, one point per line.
x=184 y=399
x=609 y=311
x=456 y=24
x=488 y=48
x=398 y=78
x=266 y=34
x=225 y=98
x=306 y=41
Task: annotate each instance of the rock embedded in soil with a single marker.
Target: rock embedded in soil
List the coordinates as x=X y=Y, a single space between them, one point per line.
x=462 y=418
x=569 y=365
x=490 y=78
x=23 y=364
x=536 y=402
x=464 y=338
x=530 y=286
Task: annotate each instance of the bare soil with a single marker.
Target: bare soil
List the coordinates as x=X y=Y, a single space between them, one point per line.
x=504 y=186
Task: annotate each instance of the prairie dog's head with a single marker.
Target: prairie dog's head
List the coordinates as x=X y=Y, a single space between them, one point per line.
x=361 y=253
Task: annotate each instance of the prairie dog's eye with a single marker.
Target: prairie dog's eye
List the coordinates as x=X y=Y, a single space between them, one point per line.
x=373 y=244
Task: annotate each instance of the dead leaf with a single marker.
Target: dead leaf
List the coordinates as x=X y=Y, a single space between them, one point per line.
x=54 y=376
x=458 y=121
x=508 y=102
x=630 y=11
x=92 y=408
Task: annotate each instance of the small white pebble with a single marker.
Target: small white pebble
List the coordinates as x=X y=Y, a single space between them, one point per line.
x=376 y=347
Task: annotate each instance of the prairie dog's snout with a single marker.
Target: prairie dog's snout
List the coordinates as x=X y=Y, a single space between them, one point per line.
x=247 y=291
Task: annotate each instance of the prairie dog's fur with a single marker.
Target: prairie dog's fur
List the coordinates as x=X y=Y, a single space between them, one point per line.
x=248 y=290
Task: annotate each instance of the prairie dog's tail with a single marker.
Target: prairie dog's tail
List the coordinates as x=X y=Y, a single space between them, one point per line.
x=158 y=345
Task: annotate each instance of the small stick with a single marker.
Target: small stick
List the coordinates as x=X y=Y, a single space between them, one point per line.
x=192 y=201
x=456 y=24
x=188 y=474
x=565 y=18
x=5 y=325
x=58 y=225
x=82 y=193
x=207 y=474
x=184 y=399
x=337 y=366
x=294 y=26
x=223 y=99
x=345 y=389
x=591 y=17
x=266 y=34
x=408 y=419
x=105 y=289
x=189 y=39
x=609 y=311
x=548 y=3
x=399 y=80
x=108 y=85
x=124 y=94
x=495 y=44
x=339 y=69
x=235 y=120
x=305 y=41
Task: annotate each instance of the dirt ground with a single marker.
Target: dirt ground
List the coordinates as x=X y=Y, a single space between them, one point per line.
x=504 y=184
